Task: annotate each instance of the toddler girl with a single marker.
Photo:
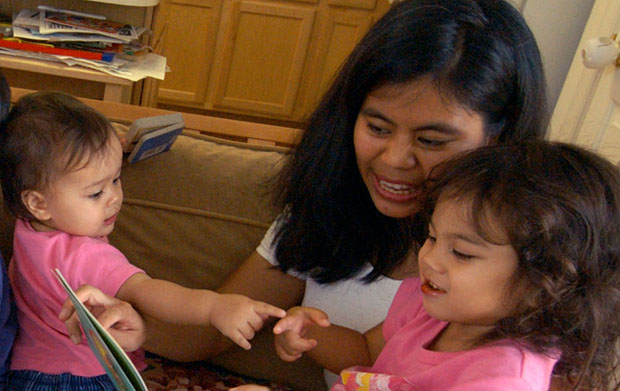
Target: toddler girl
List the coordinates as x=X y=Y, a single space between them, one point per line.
x=518 y=278
x=60 y=167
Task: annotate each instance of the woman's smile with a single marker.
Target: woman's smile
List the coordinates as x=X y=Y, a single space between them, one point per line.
x=395 y=190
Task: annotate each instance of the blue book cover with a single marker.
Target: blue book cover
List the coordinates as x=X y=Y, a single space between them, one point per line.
x=145 y=125
x=155 y=142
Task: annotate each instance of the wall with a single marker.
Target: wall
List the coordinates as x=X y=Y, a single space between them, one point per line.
x=557 y=26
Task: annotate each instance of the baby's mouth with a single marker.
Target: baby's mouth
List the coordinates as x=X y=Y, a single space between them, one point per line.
x=110 y=219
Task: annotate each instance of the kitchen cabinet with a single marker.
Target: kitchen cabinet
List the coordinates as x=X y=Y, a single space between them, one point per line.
x=259 y=58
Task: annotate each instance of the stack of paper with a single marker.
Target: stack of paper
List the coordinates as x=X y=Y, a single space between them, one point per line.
x=76 y=38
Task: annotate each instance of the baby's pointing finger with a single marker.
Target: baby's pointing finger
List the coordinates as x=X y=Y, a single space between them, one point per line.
x=270 y=310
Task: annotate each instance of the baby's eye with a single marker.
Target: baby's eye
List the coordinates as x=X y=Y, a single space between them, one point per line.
x=117 y=180
x=96 y=195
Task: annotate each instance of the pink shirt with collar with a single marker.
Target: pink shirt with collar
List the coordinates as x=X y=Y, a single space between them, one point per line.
x=43 y=343
x=405 y=364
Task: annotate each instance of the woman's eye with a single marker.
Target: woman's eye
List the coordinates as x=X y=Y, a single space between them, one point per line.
x=431 y=238
x=377 y=129
x=428 y=142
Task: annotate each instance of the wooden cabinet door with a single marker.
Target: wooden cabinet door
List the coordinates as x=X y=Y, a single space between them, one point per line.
x=260 y=57
x=189 y=30
x=342 y=24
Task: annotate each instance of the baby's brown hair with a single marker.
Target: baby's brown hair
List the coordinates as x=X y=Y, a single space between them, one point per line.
x=45 y=135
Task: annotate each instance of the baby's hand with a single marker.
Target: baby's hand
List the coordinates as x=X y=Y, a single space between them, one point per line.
x=239 y=317
x=116 y=316
x=290 y=331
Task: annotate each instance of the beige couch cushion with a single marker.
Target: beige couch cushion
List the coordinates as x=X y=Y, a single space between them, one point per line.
x=192 y=214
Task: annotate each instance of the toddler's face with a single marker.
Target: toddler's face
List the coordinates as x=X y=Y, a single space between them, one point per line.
x=466 y=280
x=401 y=133
x=86 y=201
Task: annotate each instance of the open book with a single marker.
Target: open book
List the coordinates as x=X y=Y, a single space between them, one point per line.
x=114 y=360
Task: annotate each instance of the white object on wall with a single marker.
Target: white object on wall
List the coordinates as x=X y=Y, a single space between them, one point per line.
x=599 y=52
x=586 y=113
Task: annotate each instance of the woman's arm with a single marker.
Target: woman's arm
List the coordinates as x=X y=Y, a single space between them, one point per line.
x=255 y=278
x=116 y=316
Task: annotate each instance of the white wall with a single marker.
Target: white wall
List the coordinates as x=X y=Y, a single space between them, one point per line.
x=557 y=26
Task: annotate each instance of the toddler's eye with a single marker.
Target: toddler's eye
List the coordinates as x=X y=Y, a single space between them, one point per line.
x=461 y=255
x=117 y=180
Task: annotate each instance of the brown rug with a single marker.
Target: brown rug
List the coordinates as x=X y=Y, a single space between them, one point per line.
x=166 y=375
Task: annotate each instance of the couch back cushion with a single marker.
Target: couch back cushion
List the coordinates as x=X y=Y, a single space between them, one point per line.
x=194 y=213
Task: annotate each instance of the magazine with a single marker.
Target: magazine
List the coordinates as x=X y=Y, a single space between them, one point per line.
x=55 y=22
x=114 y=360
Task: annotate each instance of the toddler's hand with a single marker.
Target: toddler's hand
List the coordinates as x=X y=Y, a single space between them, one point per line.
x=116 y=316
x=239 y=317
x=290 y=331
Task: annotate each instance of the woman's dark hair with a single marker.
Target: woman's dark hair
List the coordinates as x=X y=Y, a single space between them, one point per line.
x=479 y=53
x=45 y=135
x=5 y=99
x=559 y=207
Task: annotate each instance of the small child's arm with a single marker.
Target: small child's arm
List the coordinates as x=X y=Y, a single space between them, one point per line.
x=332 y=347
x=290 y=331
x=116 y=316
x=236 y=316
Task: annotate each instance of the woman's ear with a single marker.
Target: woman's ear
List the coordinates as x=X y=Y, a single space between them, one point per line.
x=36 y=204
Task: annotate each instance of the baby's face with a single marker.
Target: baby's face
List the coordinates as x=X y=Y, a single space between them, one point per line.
x=86 y=201
x=466 y=280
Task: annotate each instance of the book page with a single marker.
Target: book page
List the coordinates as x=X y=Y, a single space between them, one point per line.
x=112 y=357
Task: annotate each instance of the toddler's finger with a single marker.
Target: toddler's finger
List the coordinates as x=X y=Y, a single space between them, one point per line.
x=285 y=324
x=297 y=343
x=320 y=318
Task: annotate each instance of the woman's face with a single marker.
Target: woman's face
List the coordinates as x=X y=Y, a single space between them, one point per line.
x=403 y=131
